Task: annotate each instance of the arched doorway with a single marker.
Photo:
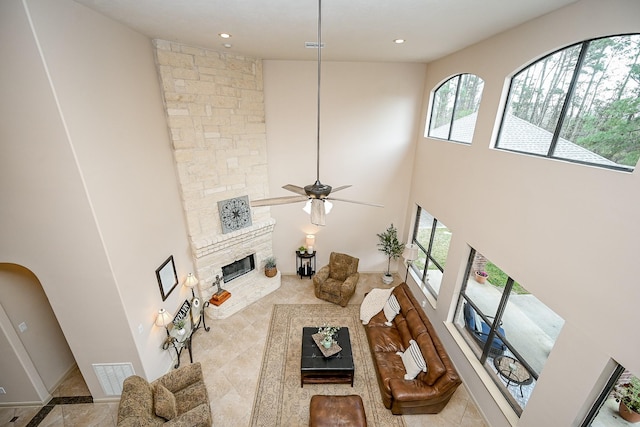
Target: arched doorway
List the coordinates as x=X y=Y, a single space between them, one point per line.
x=34 y=352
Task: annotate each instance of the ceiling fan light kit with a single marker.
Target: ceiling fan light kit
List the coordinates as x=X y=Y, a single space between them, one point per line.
x=316 y=194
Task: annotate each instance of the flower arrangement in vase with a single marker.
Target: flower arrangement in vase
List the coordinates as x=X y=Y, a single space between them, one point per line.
x=328 y=333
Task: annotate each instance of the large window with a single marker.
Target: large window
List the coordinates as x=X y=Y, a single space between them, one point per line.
x=432 y=238
x=510 y=331
x=580 y=104
x=455 y=108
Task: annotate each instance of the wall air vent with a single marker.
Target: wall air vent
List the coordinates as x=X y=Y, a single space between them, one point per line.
x=112 y=375
x=313 y=45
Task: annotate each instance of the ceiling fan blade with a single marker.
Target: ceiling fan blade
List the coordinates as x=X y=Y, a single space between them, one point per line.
x=295 y=189
x=278 y=201
x=340 y=188
x=359 y=203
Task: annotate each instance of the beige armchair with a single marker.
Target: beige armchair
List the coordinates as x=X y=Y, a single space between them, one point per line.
x=337 y=281
x=178 y=398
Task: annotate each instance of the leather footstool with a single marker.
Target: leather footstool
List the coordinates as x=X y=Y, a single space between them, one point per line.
x=332 y=411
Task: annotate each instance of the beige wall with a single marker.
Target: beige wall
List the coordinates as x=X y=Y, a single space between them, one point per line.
x=369 y=123
x=87 y=166
x=568 y=233
x=25 y=303
x=94 y=205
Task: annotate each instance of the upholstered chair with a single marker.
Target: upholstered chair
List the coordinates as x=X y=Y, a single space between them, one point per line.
x=178 y=398
x=337 y=281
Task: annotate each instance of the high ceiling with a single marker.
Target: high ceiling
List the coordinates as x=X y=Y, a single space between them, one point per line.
x=352 y=30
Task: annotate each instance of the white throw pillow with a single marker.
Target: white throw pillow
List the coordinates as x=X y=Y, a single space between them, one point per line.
x=413 y=361
x=391 y=309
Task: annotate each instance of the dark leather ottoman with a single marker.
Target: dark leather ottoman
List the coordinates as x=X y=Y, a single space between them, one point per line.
x=332 y=411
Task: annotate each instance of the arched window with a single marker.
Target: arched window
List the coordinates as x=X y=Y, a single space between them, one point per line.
x=580 y=104
x=455 y=108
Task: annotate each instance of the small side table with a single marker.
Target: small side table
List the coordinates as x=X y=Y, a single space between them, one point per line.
x=513 y=371
x=306 y=264
x=193 y=311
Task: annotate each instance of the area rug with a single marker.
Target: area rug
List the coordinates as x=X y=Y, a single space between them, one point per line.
x=280 y=401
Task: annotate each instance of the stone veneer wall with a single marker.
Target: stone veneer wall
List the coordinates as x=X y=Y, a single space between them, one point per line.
x=215 y=111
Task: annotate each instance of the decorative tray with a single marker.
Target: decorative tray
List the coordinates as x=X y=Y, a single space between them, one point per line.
x=326 y=352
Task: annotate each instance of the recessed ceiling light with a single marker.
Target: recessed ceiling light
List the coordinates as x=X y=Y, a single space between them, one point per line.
x=227 y=45
x=224 y=35
x=399 y=41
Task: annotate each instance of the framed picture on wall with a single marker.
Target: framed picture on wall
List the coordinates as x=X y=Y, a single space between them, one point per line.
x=167 y=277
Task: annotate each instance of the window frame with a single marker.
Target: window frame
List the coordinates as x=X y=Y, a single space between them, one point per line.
x=603 y=396
x=427 y=251
x=494 y=323
x=584 y=46
x=453 y=109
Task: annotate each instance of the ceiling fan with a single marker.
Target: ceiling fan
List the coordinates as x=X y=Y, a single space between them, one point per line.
x=317 y=194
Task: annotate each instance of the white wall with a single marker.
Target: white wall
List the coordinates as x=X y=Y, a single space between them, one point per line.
x=86 y=165
x=25 y=303
x=569 y=233
x=368 y=129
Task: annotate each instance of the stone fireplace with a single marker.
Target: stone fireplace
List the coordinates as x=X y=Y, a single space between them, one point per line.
x=225 y=249
x=214 y=104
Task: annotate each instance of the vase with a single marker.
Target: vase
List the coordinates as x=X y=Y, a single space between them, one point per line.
x=270 y=272
x=480 y=278
x=628 y=414
x=327 y=342
x=182 y=331
x=387 y=279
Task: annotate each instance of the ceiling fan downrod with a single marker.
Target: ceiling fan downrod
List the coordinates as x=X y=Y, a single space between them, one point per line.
x=318 y=106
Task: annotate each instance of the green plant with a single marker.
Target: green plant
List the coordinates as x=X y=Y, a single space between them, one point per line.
x=499 y=279
x=302 y=249
x=328 y=332
x=629 y=394
x=390 y=245
x=180 y=324
x=270 y=262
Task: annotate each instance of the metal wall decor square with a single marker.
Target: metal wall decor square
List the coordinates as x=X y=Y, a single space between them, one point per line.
x=234 y=214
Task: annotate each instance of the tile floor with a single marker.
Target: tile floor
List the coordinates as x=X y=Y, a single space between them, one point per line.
x=232 y=352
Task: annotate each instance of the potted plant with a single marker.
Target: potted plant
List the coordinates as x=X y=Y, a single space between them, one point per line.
x=302 y=250
x=179 y=324
x=390 y=246
x=328 y=334
x=628 y=395
x=270 y=269
x=481 y=276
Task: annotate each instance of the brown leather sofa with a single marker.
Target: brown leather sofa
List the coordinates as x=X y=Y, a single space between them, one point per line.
x=430 y=391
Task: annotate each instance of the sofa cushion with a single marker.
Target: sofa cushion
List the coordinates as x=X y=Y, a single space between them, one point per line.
x=165 y=403
x=137 y=399
x=391 y=309
x=373 y=303
x=191 y=396
x=413 y=361
x=436 y=367
x=388 y=367
x=415 y=323
x=384 y=339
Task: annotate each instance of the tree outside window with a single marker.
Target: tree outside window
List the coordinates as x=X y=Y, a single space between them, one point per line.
x=455 y=108
x=580 y=104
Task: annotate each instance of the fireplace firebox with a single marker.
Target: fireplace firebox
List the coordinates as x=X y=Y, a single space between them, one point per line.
x=238 y=268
